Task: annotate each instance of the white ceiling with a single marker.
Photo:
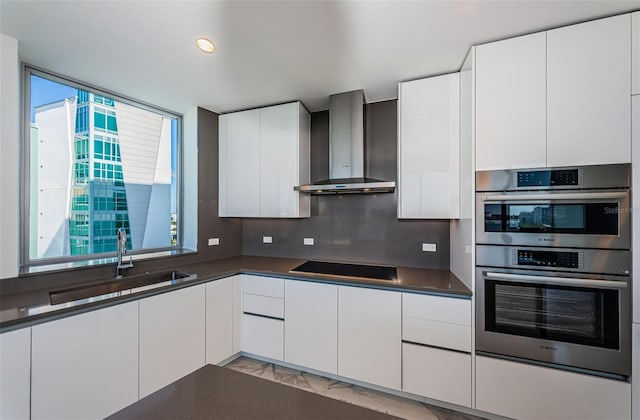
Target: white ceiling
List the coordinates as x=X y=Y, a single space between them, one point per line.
x=269 y=51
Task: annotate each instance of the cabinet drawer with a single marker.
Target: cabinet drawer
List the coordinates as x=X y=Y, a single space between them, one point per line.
x=439 y=374
x=437 y=308
x=439 y=334
x=263 y=336
x=264 y=305
x=264 y=286
x=529 y=392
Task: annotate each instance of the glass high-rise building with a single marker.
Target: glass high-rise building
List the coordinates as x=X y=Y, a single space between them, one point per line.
x=98 y=195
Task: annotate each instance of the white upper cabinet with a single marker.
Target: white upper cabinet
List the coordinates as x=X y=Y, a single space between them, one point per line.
x=15 y=368
x=239 y=152
x=284 y=160
x=428 y=148
x=555 y=98
x=263 y=154
x=85 y=366
x=635 y=44
x=510 y=103
x=588 y=89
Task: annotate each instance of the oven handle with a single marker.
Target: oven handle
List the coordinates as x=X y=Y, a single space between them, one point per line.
x=561 y=281
x=558 y=196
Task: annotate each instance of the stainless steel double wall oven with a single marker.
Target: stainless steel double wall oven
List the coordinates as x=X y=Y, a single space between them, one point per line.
x=553 y=266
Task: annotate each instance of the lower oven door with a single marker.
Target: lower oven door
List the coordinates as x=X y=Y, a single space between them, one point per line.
x=570 y=320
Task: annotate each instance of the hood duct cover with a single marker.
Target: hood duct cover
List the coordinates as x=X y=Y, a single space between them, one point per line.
x=346 y=150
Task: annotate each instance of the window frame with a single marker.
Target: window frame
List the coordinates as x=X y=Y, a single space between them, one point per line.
x=26 y=261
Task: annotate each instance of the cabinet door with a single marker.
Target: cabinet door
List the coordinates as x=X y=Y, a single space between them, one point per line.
x=588 y=89
x=172 y=337
x=436 y=373
x=369 y=336
x=510 y=103
x=279 y=160
x=635 y=44
x=635 y=167
x=428 y=146
x=239 y=164
x=311 y=325
x=263 y=336
x=221 y=313
x=15 y=365
x=635 y=374
x=85 y=366
x=523 y=391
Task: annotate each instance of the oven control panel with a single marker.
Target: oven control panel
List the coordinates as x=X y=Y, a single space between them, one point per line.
x=555 y=259
x=548 y=178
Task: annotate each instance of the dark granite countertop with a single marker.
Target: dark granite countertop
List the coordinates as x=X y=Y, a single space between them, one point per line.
x=29 y=308
x=212 y=392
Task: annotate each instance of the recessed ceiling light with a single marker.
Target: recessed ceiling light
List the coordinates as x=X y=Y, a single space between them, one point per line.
x=205 y=45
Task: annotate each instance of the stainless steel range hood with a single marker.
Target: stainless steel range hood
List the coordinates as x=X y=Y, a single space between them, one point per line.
x=346 y=150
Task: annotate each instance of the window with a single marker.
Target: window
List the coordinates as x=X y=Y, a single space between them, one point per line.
x=96 y=162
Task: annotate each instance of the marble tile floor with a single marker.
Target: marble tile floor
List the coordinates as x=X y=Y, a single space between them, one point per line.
x=375 y=400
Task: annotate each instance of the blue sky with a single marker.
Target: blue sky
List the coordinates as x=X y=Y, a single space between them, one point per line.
x=45 y=91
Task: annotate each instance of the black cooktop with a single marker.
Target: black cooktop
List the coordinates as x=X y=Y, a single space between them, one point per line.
x=347 y=270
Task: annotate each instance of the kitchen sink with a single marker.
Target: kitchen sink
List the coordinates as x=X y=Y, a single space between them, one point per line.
x=128 y=285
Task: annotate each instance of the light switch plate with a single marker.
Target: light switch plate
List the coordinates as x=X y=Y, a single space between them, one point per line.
x=267 y=240
x=308 y=241
x=429 y=247
x=214 y=241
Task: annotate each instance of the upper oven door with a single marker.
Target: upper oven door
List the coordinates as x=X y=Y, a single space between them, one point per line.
x=581 y=219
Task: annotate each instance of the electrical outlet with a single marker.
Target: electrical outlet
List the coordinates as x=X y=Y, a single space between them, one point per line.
x=214 y=241
x=267 y=240
x=429 y=247
x=308 y=241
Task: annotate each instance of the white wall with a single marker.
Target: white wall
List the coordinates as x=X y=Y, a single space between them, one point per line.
x=9 y=154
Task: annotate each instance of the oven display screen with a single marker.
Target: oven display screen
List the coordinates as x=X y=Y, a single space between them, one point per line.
x=584 y=219
x=548 y=259
x=548 y=178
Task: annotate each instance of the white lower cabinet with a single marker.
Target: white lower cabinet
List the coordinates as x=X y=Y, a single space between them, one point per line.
x=172 y=337
x=263 y=316
x=525 y=391
x=85 y=366
x=223 y=315
x=436 y=373
x=369 y=336
x=263 y=336
x=311 y=325
x=15 y=366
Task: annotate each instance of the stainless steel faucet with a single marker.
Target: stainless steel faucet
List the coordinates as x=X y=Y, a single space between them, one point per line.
x=122 y=249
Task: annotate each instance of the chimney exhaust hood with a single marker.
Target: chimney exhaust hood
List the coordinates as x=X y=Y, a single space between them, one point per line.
x=346 y=150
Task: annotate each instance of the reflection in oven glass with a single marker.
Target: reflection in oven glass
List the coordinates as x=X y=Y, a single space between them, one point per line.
x=563 y=312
